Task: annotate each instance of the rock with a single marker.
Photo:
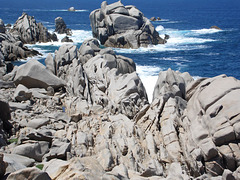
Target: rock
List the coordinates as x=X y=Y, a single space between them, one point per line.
x=23 y=106
x=29 y=173
x=3 y=166
x=213 y=123
x=33 y=74
x=60 y=27
x=77 y=168
x=6 y=85
x=2 y=26
x=22 y=93
x=153 y=19
x=50 y=63
x=32 y=150
x=17 y=162
x=35 y=123
x=71 y=9
x=5 y=125
x=59 y=149
x=53 y=166
x=13 y=49
x=123 y=27
x=29 y=31
x=66 y=39
x=215 y=27
x=171 y=84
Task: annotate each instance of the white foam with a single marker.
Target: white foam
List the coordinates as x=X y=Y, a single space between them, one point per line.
x=159 y=28
x=149 y=76
x=206 y=31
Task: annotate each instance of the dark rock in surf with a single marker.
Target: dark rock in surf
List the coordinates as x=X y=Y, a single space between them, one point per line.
x=215 y=27
x=66 y=39
x=2 y=26
x=61 y=27
x=116 y=25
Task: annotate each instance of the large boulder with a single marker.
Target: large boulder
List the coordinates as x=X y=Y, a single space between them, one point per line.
x=5 y=125
x=33 y=74
x=29 y=173
x=116 y=25
x=30 y=32
x=61 y=27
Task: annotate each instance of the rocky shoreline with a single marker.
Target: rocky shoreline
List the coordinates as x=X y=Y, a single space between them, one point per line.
x=86 y=115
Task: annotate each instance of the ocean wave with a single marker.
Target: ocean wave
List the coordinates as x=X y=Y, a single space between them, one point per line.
x=206 y=31
x=159 y=28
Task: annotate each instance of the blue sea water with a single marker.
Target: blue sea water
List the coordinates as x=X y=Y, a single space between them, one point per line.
x=192 y=46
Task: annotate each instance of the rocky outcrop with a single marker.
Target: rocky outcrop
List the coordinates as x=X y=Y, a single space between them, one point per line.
x=99 y=76
x=101 y=126
x=116 y=25
x=12 y=49
x=61 y=27
x=30 y=32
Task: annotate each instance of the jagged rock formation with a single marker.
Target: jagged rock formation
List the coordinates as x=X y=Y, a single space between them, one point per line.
x=30 y=32
x=116 y=25
x=103 y=76
x=61 y=27
x=102 y=126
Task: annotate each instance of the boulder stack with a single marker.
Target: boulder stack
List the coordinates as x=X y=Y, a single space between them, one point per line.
x=116 y=25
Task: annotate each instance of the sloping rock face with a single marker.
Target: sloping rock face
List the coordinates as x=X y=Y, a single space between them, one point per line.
x=116 y=25
x=30 y=32
x=34 y=74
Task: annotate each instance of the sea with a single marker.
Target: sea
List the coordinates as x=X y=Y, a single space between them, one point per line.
x=193 y=47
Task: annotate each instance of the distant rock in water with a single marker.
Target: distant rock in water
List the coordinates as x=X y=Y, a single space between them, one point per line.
x=71 y=9
x=215 y=27
x=155 y=19
x=66 y=39
x=29 y=31
x=61 y=27
x=116 y=25
x=2 y=26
